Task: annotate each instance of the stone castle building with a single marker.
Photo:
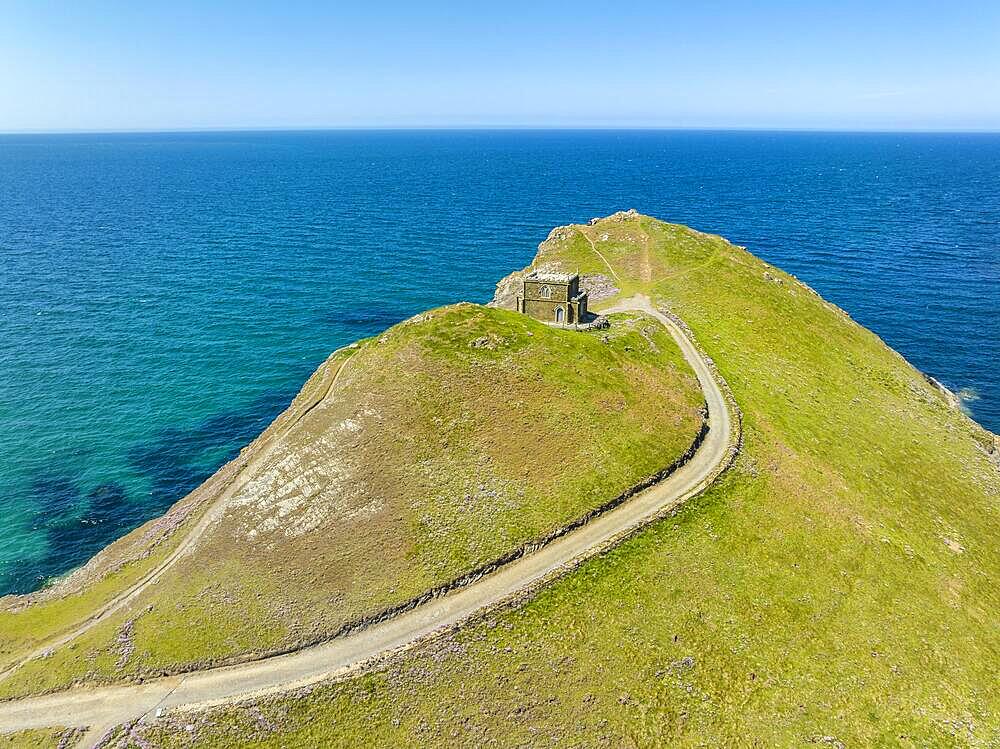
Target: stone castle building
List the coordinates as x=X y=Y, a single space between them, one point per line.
x=553 y=298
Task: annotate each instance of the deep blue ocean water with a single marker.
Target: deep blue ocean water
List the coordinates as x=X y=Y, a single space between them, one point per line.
x=163 y=297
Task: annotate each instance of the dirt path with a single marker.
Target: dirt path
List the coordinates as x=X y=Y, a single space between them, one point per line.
x=645 y=267
x=599 y=254
x=101 y=708
x=210 y=516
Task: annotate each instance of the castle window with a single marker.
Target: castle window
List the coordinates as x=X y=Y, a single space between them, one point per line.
x=545 y=292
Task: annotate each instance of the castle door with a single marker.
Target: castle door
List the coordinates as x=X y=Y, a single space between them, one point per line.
x=559 y=314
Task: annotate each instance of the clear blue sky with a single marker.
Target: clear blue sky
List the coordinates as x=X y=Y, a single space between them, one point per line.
x=146 y=64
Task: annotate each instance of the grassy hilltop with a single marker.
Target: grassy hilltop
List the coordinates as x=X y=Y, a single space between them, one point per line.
x=839 y=586
x=408 y=460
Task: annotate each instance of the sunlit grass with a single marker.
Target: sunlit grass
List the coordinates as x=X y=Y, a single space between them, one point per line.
x=838 y=587
x=449 y=441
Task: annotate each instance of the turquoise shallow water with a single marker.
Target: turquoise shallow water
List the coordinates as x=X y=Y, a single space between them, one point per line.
x=162 y=297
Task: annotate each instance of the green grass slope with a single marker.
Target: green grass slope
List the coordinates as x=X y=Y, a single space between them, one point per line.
x=49 y=738
x=450 y=440
x=839 y=586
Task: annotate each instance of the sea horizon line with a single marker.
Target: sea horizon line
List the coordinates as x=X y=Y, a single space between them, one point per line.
x=499 y=128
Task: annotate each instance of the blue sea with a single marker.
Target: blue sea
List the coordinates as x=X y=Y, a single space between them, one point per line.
x=163 y=297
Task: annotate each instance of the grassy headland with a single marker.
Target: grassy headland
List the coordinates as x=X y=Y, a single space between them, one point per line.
x=450 y=440
x=839 y=586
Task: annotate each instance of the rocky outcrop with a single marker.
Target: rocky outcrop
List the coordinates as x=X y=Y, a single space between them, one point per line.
x=618 y=217
x=953 y=400
x=505 y=296
x=598 y=287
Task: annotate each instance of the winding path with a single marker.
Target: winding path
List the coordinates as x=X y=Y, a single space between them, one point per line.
x=101 y=708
